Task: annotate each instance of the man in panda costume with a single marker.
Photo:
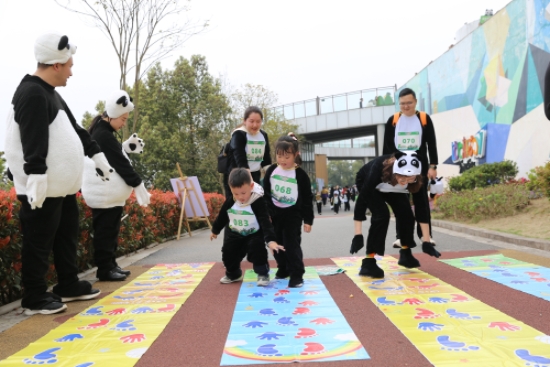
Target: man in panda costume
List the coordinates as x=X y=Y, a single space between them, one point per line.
x=384 y=181
x=107 y=199
x=44 y=150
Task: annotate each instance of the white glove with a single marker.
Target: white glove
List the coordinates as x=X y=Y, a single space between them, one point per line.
x=143 y=197
x=134 y=144
x=36 y=190
x=102 y=166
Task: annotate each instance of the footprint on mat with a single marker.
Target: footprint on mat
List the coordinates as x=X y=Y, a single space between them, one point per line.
x=268 y=312
x=425 y=314
x=124 y=326
x=447 y=344
x=87 y=364
x=313 y=348
x=461 y=315
x=286 y=321
x=305 y=333
x=268 y=350
x=46 y=357
x=539 y=361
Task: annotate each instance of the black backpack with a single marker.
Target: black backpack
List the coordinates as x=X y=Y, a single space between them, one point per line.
x=223 y=158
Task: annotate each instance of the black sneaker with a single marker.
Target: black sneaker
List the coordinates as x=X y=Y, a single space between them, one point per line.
x=295 y=283
x=281 y=275
x=81 y=291
x=47 y=309
x=111 y=276
x=369 y=268
x=407 y=259
x=122 y=271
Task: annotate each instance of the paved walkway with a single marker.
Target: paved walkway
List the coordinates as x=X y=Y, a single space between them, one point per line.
x=197 y=333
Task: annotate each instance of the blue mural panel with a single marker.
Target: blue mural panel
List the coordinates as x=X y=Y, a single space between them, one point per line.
x=497 y=138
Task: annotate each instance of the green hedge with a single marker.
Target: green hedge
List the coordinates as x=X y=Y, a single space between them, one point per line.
x=484 y=175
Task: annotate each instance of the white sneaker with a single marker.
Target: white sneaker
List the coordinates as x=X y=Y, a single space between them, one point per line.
x=263 y=280
x=226 y=280
x=397 y=243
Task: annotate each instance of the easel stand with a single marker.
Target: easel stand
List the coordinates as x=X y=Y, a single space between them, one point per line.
x=185 y=190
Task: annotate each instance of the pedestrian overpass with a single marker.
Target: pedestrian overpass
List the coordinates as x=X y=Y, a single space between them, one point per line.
x=343 y=118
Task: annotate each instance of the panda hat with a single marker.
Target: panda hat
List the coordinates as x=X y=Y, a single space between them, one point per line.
x=407 y=164
x=52 y=48
x=118 y=104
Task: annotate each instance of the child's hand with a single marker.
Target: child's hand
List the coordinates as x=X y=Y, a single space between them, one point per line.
x=307 y=228
x=213 y=236
x=275 y=247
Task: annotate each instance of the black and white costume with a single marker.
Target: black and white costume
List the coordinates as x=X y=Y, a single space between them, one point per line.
x=108 y=198
x=44 y=150
x=247 y=151
x=247 y=230
x=289 y=199
x=375 y=195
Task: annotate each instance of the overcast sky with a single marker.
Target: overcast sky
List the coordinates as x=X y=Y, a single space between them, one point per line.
x=299 y=49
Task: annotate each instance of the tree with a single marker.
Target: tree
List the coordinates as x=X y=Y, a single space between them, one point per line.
x=142 y=32
x=343 y=172
x=183 y=110
x=88 y=117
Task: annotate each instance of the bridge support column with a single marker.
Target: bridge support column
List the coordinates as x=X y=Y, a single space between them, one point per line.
x=379 y=139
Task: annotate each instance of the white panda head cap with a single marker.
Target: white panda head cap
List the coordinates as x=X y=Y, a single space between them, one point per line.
x=118 y=104
x=407 y=164
x=53 y=48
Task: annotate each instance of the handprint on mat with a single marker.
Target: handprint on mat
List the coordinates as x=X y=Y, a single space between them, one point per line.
x=255 y=324
x=134 y=338
x=270 y=335
x=282 y=292
x=438 y=300
x=69 y=338
x=412 y=301
x=143 y=309
x=116 y=311
x=322 y=321
x=504 y=326
x=430 y=326
x=308 y=303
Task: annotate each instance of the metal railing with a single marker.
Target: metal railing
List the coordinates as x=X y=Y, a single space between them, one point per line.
x=383 y=96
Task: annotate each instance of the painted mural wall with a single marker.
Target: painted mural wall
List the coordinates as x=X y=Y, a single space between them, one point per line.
x=493 y=80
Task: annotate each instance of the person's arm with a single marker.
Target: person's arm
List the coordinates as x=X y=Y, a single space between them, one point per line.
x=304 y=191
x=259 y=208
x=34 y=126
x=238 y=149
x=222 y=219
x=267 y=152
x=421 y=206
x=267 y=189
x=113 y=152
x=91 y=148
x=429 y=130
x=389 y=138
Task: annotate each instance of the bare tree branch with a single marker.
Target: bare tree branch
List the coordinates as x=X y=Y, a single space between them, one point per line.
x=141 y=32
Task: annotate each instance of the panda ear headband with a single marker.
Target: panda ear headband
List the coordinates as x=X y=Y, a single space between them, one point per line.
x=407 y=164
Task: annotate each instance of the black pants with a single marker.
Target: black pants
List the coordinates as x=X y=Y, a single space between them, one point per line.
x=324 y=200
x=288 y=230
x=380 y=220
x=54 y=227
x=346 y=206
x=106 y=230
x=319 y=206
x=424 y=201
x=236 y=247
x=336 y=207
x=256 y=176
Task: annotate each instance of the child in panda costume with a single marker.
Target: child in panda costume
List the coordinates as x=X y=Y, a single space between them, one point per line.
x=108 y=199
x=44 y=150
x=387 y=180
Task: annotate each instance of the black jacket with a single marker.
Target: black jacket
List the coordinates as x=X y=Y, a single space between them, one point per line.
x=237 y=151
x=103 y=134
x=428 y=146
x=262 y=216
x=304 y=204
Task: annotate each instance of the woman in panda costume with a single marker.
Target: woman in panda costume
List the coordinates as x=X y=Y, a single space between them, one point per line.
x=108 y=198
x=384 y=181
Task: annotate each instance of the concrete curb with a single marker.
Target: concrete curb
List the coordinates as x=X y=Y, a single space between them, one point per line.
x=494 y=235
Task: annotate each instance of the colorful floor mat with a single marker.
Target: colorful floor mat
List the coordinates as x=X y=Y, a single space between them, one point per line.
x=277 y=324
x=446 y=325
x=119 y=328
x=516 y=274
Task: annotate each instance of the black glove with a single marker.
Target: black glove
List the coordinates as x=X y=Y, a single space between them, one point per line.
x=356 y=244
x=428 y=248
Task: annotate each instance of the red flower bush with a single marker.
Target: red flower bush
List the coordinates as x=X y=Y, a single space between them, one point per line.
x=140 y=228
